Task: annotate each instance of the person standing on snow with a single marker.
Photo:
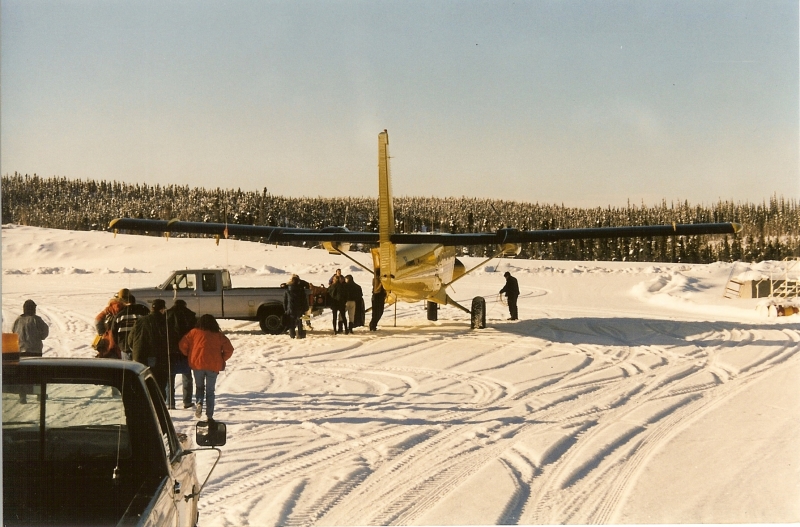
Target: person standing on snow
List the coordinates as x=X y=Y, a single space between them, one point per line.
x=104 y=322
x=148 y=342
x=378 y=300
x=208 y=350
x=354 y=294
x=338 y=274
x=123 y=323
x=511 y=289
x=32 y=330
x=181 y=320
x=338 y=299
x=295 y=304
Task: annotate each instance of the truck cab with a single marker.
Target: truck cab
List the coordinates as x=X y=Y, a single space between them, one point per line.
x=210 y=291
x=90 y=442
x=201 y=289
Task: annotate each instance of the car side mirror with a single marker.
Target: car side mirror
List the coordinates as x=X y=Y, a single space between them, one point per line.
x=210 y=434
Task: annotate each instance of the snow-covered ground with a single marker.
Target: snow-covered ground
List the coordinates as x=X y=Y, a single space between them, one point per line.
x=627 y=392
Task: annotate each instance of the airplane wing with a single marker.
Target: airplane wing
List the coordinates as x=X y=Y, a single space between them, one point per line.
x=270 y=234
x=341 y=234
x=503 y=236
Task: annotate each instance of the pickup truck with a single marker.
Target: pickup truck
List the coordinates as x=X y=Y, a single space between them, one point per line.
x=210 y=291
x=90 y=442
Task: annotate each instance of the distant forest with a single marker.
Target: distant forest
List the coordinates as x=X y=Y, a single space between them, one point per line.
x=771 y=230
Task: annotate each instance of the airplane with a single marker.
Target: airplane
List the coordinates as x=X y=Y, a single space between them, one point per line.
x=416 y=266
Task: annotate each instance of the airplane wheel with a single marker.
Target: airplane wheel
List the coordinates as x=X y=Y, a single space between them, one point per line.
x=272 y=322
x=433 y=311
x=478 y=312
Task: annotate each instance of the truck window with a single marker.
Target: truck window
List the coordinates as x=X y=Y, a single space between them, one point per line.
x=168 y=437
x=80 y=421
x=183 y=281
x=209 y=282
x=226 y=280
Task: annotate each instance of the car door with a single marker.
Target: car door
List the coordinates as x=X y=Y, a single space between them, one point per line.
x=209 y=294
x=182 y=466
x=183 y=286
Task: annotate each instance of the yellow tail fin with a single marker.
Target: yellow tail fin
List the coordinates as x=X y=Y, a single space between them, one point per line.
x=385 y=213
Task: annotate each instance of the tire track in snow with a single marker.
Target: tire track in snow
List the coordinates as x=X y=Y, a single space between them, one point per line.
x=619 y=458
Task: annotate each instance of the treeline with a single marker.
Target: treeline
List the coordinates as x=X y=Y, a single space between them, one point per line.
x=771 y=230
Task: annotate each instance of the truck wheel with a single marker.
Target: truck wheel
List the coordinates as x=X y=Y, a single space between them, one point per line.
x=272 y=322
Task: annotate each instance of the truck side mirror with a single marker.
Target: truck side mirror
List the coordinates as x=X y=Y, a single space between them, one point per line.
x=210 y=434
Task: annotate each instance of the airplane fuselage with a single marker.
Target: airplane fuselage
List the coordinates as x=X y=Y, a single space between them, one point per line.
x=421 y=272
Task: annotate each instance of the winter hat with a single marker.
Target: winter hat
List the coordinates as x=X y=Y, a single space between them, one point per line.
x=506 y=274
x=29 y=307
x=159 y=304
x=124 y=294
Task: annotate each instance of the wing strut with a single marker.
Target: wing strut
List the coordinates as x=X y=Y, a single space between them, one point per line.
x=492 y=257
x=367 y=269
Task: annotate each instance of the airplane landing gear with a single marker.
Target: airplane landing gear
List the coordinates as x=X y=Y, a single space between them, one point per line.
x=433 y=311
x=478 y=313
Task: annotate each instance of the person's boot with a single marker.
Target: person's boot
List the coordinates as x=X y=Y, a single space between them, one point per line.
x=350 y=328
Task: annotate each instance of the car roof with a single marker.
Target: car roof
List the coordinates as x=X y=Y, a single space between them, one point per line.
x=75 y=362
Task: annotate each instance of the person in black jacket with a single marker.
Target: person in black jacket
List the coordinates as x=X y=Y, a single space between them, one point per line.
x=123 y=322
x=378 y=300
x=338 y=298
x=149 y=343
x=180 y=320
x=295 y=304
x=354 y=294
x=511 y=289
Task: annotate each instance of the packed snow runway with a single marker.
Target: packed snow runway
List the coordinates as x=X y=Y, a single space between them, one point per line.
x=628 y=392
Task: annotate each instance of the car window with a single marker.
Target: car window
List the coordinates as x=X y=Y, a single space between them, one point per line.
x=226 y=280
x=74 y=419
x=184 y=281
x=168 y=437
x=209 y=281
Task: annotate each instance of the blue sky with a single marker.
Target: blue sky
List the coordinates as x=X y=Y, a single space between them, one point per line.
x=586 y=103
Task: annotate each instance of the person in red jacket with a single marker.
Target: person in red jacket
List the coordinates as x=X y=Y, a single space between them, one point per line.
x=207 y=349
